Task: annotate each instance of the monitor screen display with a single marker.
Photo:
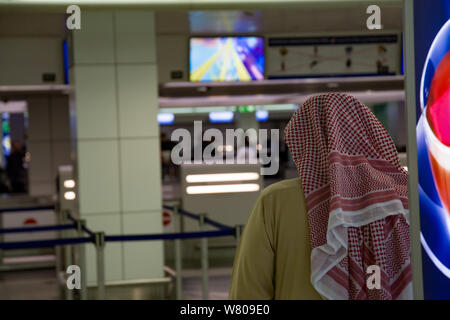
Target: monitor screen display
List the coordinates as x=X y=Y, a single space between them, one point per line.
x=431 y=32
x=226 y=59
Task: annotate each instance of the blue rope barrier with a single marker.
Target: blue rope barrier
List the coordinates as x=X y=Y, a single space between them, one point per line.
x=137 y=237
x=171 y=236
x=71 y=218
x=224 y=231
x=43 y=243
x=217 y=224
x=188 y=214
x=42 y=208
x=89 y=232
x=84 y=228
x=196 y=217
x=40 y=228
x=184 y=213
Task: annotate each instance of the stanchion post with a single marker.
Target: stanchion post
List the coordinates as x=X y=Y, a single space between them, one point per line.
x=67 y=252
x=58 y=250
x=178 y=255
x=100 y=251
x=204 y=258
x=82 y=260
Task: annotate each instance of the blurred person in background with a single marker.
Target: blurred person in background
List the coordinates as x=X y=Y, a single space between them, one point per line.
x=15 y=168
x=315 y=237
x=4 y=181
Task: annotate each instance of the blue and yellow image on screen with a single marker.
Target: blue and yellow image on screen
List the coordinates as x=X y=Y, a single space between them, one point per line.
x=226 y=59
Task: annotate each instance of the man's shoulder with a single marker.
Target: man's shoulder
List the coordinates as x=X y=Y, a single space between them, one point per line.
x=284 y=187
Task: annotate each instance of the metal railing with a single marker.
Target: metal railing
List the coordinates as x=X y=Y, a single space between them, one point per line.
x=99 y=240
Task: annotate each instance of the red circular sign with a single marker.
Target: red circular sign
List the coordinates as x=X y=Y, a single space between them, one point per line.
x=29 y=221
x=167 y=218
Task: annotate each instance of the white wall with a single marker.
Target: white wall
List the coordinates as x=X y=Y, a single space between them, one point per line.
x=172 y=54
x=30 y=44
x=23 y=60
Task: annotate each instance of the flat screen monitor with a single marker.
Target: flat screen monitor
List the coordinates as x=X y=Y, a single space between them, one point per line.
x=226 y=59
x=429 y=88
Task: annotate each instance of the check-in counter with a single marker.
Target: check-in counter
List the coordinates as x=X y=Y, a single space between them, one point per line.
x=226 y=193
x=11 y=217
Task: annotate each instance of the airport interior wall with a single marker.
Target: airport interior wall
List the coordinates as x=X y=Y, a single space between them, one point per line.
x=40 y=51
x=118 y=62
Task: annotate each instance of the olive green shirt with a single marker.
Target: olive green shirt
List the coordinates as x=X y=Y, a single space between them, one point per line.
x=273 y=257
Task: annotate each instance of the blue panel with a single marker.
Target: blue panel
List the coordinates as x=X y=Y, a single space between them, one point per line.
x=432 y=52
x=66 y=61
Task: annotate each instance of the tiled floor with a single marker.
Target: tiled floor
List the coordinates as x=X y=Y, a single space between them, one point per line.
x=29 y=284
x=42 y=284
x=219 y=284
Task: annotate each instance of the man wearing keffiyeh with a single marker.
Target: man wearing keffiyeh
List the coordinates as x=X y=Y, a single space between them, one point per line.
x=316 y=236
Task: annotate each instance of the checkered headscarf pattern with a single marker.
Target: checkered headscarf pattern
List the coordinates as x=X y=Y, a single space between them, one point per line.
x=347 y=162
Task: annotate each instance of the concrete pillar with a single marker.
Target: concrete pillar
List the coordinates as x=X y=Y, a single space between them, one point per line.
x=114 y=111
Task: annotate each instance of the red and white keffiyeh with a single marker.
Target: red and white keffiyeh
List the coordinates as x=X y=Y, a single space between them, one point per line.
x=357 y=198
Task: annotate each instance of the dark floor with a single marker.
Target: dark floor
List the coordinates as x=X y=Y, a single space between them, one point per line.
x=42 y=284
x=29 y=284
x=219 y=284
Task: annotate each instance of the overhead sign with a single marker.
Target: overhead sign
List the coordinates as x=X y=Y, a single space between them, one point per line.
x=246 y=109
x=295 y=57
